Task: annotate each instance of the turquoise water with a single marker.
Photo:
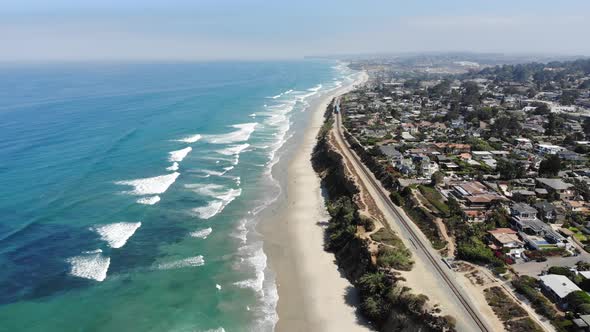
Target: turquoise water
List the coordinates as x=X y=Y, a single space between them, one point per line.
x=128 y=191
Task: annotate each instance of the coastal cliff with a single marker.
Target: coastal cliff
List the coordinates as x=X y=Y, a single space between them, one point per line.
x=368 y=256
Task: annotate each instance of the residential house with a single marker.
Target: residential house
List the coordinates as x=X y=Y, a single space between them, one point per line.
x=548 y=148
x=557 y=287
x=475 y=195
x=556 y=186
x=549 y=213
x=501 y=238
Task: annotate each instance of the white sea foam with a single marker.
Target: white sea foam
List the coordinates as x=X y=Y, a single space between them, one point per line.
x=210 y=210
x=149 y=200
x=242 y=134
x=202 y=233
x=315 y=88
x=150 y=186
x=182 y=263
x=90 y=266
x=241 y=231
x=92 y=251
x=253 y=115
x=222 y=199
x=256 y=261
x=117 y=234
x=208 y=173
x=211 y=189
x=234 y=149
x=190 y=139
x=173 y=167
x=179 y=155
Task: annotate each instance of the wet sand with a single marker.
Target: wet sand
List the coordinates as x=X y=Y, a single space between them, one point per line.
x=313 y=295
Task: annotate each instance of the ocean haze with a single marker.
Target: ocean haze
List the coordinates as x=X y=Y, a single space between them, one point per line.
x=33 y=30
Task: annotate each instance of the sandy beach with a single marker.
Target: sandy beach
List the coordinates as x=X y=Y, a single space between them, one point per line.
x=313 y=295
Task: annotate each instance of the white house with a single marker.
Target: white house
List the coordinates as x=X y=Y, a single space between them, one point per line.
x=558 y=287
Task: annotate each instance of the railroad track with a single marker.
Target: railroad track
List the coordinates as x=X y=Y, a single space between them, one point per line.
x=415 y=238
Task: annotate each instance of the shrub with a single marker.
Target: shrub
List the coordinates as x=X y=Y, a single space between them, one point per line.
x=477 y=252
x=526 y=286
x=425 y=222
x=579 y=301
x=396 y=198
x=435 y=199
x=397 y=258
x=386 y=236
x=562 y=270
x=367 y=223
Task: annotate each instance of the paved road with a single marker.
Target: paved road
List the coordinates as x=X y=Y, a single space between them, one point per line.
x=463 y=309
x=534 y=269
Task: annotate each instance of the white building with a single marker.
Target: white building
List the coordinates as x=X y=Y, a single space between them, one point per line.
x=548 y=148
x=558 y=287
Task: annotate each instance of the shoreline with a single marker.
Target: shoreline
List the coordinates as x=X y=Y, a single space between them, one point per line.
x=313 y=295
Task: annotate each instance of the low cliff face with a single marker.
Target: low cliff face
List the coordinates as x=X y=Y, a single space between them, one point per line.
x=329 y=164
x=353 y=257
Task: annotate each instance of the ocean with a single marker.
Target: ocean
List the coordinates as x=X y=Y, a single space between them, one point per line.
x=129 y=191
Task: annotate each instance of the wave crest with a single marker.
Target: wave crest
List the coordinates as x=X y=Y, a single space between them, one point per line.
x=242 y=134
x=182 y=263
x=117 y=234
x=150 y=186
x=90 y=266
x=179 y=155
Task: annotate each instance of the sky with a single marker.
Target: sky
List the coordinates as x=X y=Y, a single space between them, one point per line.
x=64 y=30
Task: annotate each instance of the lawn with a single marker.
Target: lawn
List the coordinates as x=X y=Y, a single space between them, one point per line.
x=578 y=235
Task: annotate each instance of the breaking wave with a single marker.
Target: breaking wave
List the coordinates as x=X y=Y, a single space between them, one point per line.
x=242 y=134
x=234 y=149
x=117 y=234
x=150 y=186
x=173 y=167
x=216 y=206
x=90 y=266
x=150 y=200
x=190 y=139
x=182 y=263
x=202 y=233
x=179 y=155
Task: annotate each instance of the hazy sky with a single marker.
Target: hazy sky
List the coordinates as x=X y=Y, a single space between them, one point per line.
x=39 y=30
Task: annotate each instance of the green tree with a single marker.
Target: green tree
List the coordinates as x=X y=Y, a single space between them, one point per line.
x=507 y=126
x=541 y=109
x=586 y=126
x=579 y=302
x=499 y=218
x=568 y=97
x=437 y=178
x=554 y=124
x=470 y=93
x=562 y=270
x=510 y=169
x=454 y=207
x=550 y=166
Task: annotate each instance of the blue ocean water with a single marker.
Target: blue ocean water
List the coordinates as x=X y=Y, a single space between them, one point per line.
x=127 y=191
